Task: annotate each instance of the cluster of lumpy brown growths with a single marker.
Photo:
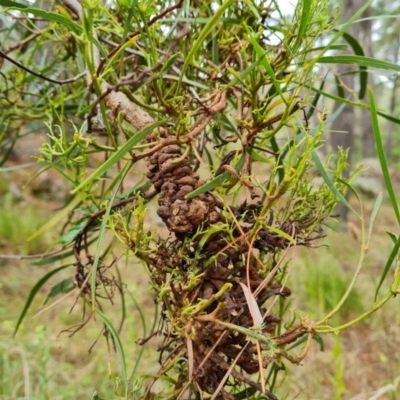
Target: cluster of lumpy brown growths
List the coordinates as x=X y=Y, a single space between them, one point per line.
x=173 y=177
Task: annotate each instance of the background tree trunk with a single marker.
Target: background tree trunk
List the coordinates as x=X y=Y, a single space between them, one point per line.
x=344 y=125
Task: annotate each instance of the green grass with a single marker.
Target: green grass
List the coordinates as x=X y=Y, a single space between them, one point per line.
x=324 y=282
x=359 y=361
x=18 y=221
x=45 y=361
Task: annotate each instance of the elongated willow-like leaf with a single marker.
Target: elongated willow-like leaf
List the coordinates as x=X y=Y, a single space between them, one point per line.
x=33 y=293
x=50 y=16
x=237 y=79
x=73 y=232
x=329 y=182
x=316 y=99
x=278 y=159
x=381 y=155
x=102 y=233
x=117 y=156
x=65 y=286
x=204 y=33
x=9 y=3
x=53 y=259
x=363 y=70
x=201 y=20
x=258 y=157
x=337 y=98
x=261 y=53
x=119 y=346
x=57 y=18
x=217 y=181
x=281 y=233
x=375 y=210
x=377 y=17
x=304 y=21
x=303 y=339
x=392 y=257
x=339 y=87
x=361 y=61
x=389 y=117
x=392 y=236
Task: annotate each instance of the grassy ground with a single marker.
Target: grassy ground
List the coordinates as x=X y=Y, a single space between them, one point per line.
x=45 y=361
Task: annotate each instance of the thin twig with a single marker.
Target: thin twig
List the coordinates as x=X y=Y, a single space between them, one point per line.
x=40 y=75
x=32 y=256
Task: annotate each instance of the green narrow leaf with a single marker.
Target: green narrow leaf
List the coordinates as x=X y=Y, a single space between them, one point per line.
x=143 y=322
x=119 y=346
x=334 y=115
x=65 y=286
x=246 y=393
x=170 y=62
x=393 y=255
x=33 y=293
x=320 y=341
x=392 y=236
x=303 y=339
x=339 y=87
x=136 y=189
x=378 y=17
x=114 y=158
x=337 y=98
x=281 y=233
x=329 y=182
x=74 y=231
x=59 y=19
x=9 y=3
x=242 y=75
x=319 y=48
x=316 y=99
x=217 y=181
x=362 y=61
x=204 y=20
x=99 y=249
x=261 y=53
x=258 y=157
x=389 y=117
x=381 y=154
x=304 y=21
x=51 y=260
x=102 y=234
x=206 y=235
x=204 y=33
x=375 y=210
x=352 y=190
x=51 y=16
x=261 y=337
x=209 y=186
x=363 y=70
x=279 y=158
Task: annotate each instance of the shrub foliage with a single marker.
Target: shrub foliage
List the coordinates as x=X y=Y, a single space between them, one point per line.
x=219 y=99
